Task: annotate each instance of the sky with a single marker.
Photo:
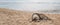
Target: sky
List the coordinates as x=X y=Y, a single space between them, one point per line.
x=30 y=5
x=32 y=0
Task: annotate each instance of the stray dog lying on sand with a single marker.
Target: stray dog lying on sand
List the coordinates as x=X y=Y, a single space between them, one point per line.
x=39 y=17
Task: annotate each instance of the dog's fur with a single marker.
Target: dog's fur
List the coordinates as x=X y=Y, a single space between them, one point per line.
x=41 y=17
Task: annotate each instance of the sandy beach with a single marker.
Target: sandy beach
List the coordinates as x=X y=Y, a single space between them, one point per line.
x=15 y=17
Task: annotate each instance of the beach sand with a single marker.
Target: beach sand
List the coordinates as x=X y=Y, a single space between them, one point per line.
x=15 y=17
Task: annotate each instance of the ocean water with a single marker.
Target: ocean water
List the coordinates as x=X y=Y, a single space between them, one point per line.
x=31 y=5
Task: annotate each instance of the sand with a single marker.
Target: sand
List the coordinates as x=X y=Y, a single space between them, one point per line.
x=15 y=17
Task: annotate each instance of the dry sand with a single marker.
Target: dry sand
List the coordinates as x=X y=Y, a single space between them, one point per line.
x=13 y=17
